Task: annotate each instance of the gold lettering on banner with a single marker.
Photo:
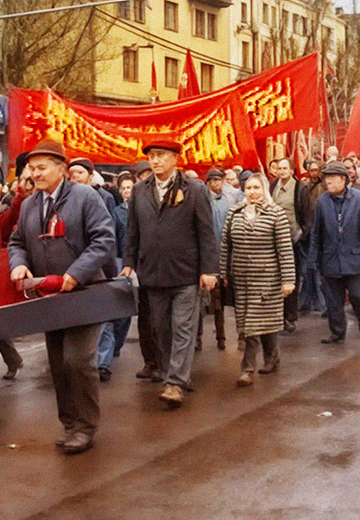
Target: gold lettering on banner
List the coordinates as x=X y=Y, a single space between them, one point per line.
x=211 y=139
x=271 y=105
x=208 y=138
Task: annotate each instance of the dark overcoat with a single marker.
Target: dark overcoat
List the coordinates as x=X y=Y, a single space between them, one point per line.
x=170 y=246
x=335 y=241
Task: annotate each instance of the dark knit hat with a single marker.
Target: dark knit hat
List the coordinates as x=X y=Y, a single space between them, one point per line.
x=49 y=147
x=82 y=161
x=163 y=144
x=336 y=168
x=214 y=174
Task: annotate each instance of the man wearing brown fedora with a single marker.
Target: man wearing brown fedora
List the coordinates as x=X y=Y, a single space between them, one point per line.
x=65 y=229
x=171 y=245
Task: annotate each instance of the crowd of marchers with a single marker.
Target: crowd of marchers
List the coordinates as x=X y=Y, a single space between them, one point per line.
x=272 y=246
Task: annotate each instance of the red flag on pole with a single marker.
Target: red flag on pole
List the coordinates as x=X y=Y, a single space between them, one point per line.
x=189 y=85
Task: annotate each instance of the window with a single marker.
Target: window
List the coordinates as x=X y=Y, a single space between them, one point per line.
x=139 y=11
x=171 y=16
x=296 y=21
x=244 y=13
x=273 y=16
x=124 y=9
x=285 y=19
x=246 y=55
x=266 y=14
x=211 y=26
x=130 y=65
x=207 y=73
x=328 y=37
x=171 y=73
x=199 y=23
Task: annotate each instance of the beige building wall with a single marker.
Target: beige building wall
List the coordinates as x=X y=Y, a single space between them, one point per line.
x=201 y=26
x=266 y=33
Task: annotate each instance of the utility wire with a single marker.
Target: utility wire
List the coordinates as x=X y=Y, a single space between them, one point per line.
x=155 y=39
x=63 y=8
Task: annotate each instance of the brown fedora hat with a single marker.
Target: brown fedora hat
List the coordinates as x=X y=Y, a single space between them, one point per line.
x=49 y=147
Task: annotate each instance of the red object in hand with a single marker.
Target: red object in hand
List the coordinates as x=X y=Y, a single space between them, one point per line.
x=50 y=285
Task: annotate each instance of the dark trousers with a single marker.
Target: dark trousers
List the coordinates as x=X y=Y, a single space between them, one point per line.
x=72 y=356
x=291 y=301
x=10 y=355
x=335 y=291
x=252 y=343
x=147 y=334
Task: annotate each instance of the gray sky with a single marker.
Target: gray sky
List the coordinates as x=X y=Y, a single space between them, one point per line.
x=348 y=5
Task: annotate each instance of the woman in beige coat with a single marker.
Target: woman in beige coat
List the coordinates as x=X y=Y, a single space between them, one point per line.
x=257 y=257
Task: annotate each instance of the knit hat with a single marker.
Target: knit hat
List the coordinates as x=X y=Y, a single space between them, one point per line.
x=82 y=161
x=49 y=147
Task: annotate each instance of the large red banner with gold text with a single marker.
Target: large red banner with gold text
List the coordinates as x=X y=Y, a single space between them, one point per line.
x=219 y=127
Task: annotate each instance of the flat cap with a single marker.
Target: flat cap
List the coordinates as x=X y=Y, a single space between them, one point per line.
x=141 y=167
x=335 y=168
x=214 y=174
x=84 y=162
x=48 y=147
x=163 y=144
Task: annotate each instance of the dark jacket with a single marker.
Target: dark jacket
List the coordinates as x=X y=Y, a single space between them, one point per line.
x=120 y=216
x=87 y=246
x=301 y=205
x=170 y=246
x=334 y=246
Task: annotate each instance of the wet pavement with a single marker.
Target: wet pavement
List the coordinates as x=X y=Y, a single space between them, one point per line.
x=286 y=448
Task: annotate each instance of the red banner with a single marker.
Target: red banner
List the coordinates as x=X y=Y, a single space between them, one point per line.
x=213 y=128
x=8 y=292
x=352 y=140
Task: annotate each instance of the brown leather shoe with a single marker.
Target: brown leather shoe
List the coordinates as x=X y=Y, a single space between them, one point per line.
x=78 y=442
x=146 y=371
x=245 y=379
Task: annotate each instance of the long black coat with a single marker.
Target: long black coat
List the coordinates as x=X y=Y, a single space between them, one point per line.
x=170 y=246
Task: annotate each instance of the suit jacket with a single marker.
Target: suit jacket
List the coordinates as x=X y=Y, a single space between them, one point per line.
x=334 y=246
x=301 y=206
x=88 y=244
x=170 y=246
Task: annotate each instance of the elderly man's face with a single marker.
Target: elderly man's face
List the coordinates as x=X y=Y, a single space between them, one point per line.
x=232 y=179
x=162 y=162
x=46 y=174
x=335 y=184
x=215 y=185
x=349 y=165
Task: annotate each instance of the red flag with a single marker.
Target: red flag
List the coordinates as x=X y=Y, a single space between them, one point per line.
x=189 y=85
x=352 y=141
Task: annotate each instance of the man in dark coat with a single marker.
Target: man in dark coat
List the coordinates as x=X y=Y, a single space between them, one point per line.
x=171 y=245
x=293 y=196
x=335 y=247
x=66 y=230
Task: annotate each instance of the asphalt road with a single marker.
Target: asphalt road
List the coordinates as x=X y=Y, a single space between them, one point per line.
x=285 y=449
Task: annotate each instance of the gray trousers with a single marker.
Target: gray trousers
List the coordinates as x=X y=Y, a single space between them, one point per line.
x=72 y=356
x=10 y=355
x=175 y=311
x=270 y=347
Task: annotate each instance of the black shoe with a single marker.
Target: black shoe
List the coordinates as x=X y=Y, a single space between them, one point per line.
x=11 y=373
x=332 y=339
x=105 y=374
x=270 y=366
x=221 y=344
x=78 y=442
x=290 y=326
